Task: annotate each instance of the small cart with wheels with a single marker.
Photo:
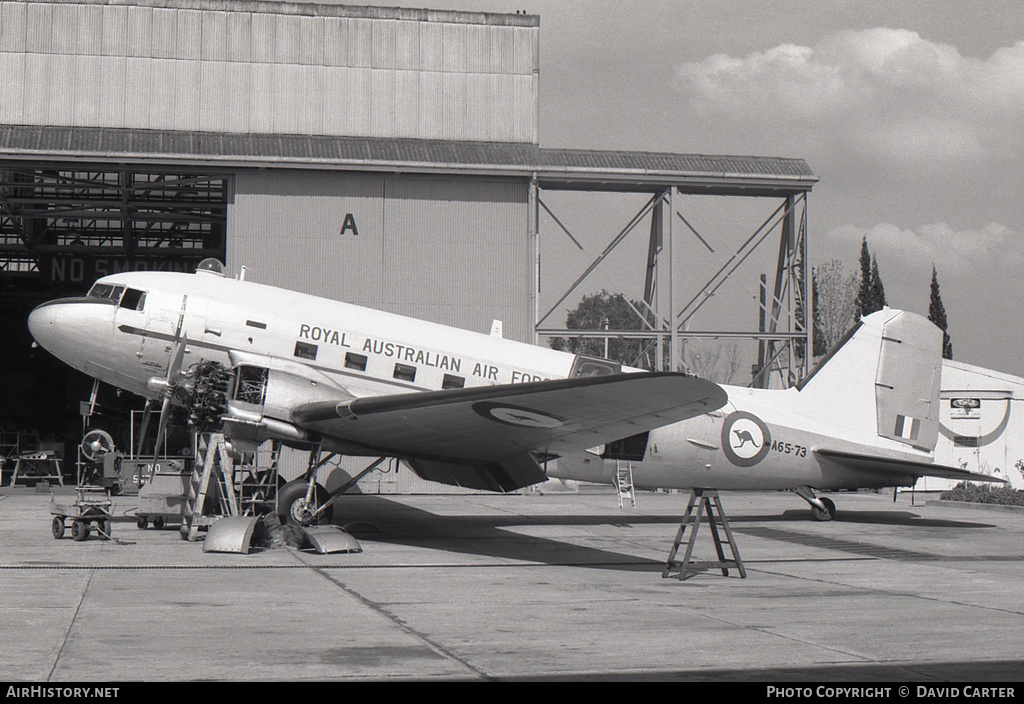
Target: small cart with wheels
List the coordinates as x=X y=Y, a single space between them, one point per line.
x=90 y=510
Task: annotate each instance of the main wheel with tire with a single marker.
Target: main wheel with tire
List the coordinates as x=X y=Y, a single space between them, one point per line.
x=292 y=507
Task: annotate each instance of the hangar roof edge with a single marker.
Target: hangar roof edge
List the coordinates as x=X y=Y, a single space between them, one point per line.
x=554 y=168
x=312 y=9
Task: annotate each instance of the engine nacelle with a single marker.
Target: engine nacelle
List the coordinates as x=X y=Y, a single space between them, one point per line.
x=264 y=392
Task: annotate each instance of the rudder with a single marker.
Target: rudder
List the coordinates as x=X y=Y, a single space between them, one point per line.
x=907 y=385
x=883 y=378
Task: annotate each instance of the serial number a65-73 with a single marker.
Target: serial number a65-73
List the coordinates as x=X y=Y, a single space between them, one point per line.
x=789 y=448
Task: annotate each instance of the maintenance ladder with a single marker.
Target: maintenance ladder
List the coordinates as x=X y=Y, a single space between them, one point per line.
x=624 y=483
x=211 y=490
x=709 y=501
x=219 y=488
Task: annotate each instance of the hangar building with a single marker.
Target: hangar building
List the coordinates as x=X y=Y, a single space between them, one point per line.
x=374 y=155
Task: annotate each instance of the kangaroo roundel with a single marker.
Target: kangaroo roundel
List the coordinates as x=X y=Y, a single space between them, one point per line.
x=745 y=439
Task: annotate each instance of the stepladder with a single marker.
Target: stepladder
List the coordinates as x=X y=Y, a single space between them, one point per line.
x=211 y=491
x=624 y=484
x=706 y=502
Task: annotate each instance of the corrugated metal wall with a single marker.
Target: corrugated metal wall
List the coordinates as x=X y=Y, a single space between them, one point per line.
x=454 y=251
x=453 y=77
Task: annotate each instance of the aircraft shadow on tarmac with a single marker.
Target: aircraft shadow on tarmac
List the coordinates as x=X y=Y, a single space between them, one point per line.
x=382 y=520
x=375 y=518
x=1003 y=673
x=896 y=517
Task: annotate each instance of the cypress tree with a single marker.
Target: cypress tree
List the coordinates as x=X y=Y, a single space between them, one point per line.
x=864 y=293
x=937 y=314
x=877 y=290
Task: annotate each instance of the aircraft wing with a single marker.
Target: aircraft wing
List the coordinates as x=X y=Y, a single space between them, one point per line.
x=887 y=467
x=489 y=437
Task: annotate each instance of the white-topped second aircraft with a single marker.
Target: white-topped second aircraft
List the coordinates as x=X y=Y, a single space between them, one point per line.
x=482 y=412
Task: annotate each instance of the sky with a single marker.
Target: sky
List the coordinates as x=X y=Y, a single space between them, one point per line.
x=910 y=113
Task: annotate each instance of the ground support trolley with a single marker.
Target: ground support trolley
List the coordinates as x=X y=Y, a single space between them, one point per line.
x=88 y=510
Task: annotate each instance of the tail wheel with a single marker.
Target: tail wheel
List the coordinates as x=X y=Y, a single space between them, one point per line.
x=828 y=514
x=293 y=508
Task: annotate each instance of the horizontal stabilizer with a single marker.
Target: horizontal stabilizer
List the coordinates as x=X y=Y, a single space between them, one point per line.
x=881 y=467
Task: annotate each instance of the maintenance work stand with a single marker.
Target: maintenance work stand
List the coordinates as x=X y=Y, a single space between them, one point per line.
x=704 y=500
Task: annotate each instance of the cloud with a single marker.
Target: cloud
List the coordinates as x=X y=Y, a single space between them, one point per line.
x=878 y=94
x=988 y=250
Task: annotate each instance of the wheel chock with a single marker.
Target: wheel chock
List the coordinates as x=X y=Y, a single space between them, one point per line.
x=231 y=534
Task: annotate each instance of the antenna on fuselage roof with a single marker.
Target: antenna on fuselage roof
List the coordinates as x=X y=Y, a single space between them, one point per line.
x=241 y=273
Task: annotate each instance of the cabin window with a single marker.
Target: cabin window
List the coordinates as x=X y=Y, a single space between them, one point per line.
x=256 y=324
x=133 y=299
x=405 y=372
x=304 y=350
x=355 y=361
x=452 y=382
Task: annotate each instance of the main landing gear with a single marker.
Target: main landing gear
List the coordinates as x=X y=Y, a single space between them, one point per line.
x=306 y=502
x=822 y=508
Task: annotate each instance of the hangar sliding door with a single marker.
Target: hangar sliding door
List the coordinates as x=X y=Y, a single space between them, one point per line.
x=454 y=251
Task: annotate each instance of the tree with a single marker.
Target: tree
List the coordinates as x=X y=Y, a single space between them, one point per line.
x=864 y=293
x=877 y=290
x=871 y=296
x=835 y=307
x=937 y=314
x=714 y=361
x=607 y=311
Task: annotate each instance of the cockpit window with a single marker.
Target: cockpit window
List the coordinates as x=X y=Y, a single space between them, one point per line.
x=129 y=298
x=111 y=293
x=100 y=291
x=133 y=299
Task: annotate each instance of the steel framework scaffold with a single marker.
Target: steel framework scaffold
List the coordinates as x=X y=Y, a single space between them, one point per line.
x=786 y=310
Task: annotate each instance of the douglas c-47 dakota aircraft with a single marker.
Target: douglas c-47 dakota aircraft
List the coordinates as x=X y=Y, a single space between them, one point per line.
x=481 y=412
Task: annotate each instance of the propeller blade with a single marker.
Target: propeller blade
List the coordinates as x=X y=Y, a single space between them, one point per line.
x=146 y=413
x=173 y=370
x=161 y=427
x=177 y=355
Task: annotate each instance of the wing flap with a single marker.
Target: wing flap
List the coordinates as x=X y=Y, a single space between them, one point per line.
x=481 y=425
x=878 y=466
x=507 y=475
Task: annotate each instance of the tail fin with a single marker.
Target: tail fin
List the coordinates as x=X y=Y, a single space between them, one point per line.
x=883 y=378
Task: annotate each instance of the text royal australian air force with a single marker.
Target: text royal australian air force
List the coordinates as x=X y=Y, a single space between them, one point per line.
x=401 y=352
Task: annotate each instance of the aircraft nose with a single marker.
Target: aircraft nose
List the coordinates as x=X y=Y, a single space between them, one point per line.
x=71 y=329
x=42 y=322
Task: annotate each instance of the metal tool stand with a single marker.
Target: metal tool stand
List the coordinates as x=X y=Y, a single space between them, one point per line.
x=704 y=500
x=39 y=466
